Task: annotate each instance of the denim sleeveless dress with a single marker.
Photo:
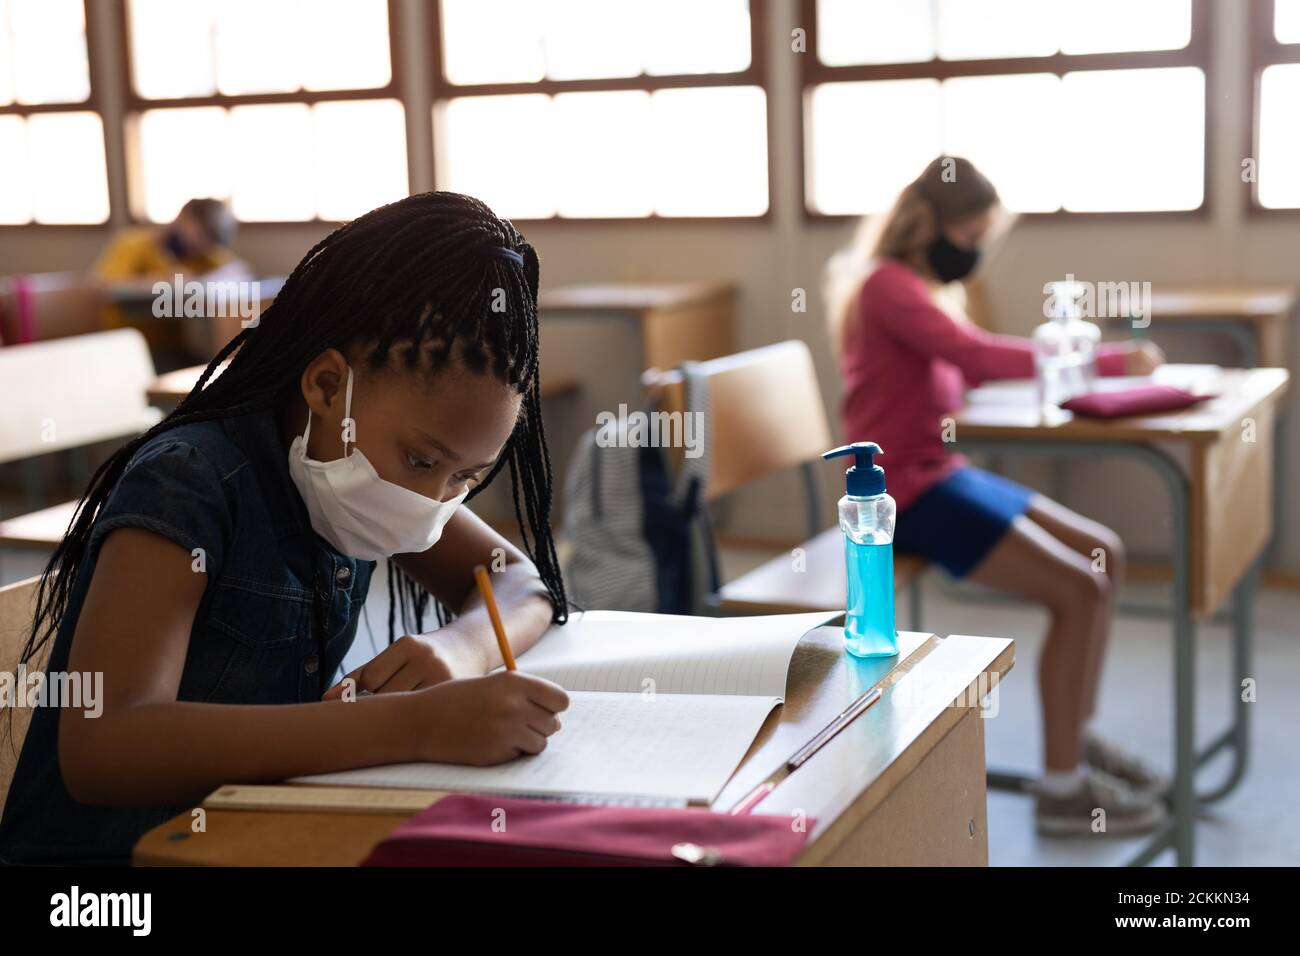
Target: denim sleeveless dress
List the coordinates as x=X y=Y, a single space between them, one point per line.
x=223 y=487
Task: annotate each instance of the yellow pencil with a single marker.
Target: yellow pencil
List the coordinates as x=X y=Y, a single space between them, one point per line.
x=485 y=589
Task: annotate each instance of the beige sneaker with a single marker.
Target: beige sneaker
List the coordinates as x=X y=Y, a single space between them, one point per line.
x=1118 y=762
x=1103 y=805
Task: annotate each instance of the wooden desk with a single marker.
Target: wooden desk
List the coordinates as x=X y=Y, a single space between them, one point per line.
x=38 y=529
x=1220 y=517
x=677 y=321
x=1256 y=318
x=204 y=335
x=606 y=335
x=902 y=785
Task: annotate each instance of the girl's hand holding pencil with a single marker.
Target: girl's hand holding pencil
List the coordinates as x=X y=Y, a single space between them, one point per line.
x=462 y=716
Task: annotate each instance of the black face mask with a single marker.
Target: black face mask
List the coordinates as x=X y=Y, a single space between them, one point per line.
x=950 y=261
x=175 y=245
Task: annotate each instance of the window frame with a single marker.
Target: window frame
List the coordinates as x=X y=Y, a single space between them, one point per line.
x=441 y=91
x=1265 y=51
x=134 y=105
x=93 y=103
x=1197 y=53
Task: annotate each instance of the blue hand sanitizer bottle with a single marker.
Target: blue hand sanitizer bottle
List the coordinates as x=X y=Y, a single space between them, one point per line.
x=867 y=517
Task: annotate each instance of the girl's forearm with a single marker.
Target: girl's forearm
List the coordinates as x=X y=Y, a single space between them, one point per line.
x=525 y=609
x=178 y=752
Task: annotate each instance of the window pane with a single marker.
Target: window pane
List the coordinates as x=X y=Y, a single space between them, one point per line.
x=1286 y=21
x=874 y=31
x=1148 y=154
x=987 y=119
x=360 y=156
x=697 y=36
x=276 y=162
x=522 y=41
x=603 y=168
x=492 y=41
x=171 y=48
x=68 y=180
x=271 y=166
x=1114 y=26
x=6 y=57
x=868 y=140
x=474 y=156
x=183 y=154
x=710 y=151
x=47 y=43
x=982 y=29
x=185 y=48
x=256 y=48
x=345 y=45
x=594 y=38
x=15 y=198
x=1279 y=137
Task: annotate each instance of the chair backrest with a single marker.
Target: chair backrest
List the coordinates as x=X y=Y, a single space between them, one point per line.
x=17 y=609
x=50 y=305
x=74 y=391
x=766 y=413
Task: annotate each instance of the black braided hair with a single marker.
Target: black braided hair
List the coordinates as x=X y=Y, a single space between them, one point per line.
x=421 y=276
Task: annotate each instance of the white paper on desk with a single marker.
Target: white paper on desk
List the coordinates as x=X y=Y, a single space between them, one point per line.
x=714 y=681
x=1198 y=379
x=677 y=746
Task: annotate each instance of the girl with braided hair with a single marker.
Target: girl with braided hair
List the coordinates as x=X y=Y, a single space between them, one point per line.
x=213 y=578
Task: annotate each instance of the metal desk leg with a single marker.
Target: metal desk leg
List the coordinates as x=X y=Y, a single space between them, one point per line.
x=914 y=600
x=1181 y=835
x=1237 y=737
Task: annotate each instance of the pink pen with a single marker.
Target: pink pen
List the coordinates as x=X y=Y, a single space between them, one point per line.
x=754 y=798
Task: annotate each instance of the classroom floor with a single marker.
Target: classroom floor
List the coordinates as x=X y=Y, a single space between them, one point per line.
x=1257 y=826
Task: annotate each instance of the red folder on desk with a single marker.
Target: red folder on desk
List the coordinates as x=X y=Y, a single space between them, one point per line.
x=1142 y=400
x=473 y=830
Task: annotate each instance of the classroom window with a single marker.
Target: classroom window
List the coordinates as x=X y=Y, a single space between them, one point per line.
x=287 y=108
x=595 y=100
x=1276 y=75
x=1068 y=105
x=52 y=167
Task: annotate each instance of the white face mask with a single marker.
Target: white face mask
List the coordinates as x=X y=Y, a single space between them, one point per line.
x=358 y=512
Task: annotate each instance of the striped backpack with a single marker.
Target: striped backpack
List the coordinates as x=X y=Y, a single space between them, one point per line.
x=640 y=539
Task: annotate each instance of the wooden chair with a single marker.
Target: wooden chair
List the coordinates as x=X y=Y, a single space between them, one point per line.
x=67 y=394
x=17 y=609
x=767 y=417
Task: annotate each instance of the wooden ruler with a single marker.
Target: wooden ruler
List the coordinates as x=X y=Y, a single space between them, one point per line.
x=321 y=799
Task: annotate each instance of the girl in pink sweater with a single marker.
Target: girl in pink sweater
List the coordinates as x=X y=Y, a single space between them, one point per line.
x=906 y=356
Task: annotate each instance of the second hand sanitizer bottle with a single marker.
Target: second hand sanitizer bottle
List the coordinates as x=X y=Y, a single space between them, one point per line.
x=867 y=517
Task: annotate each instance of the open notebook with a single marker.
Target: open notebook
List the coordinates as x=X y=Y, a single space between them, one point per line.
x=661 y=707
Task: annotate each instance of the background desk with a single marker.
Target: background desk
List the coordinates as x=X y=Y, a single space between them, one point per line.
x=902 y=785
x=169 y=388
x=1221 y=519
x=1254 y=318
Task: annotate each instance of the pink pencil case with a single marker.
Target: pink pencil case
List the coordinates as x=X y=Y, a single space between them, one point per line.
x=478 y=830
x=1142 y=400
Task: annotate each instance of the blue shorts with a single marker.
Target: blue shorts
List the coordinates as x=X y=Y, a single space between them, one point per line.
x=958 y=521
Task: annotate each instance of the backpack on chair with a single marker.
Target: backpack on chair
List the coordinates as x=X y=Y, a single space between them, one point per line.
x=640 y=540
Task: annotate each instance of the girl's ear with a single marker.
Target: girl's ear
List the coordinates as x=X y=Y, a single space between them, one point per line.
x=322 y=383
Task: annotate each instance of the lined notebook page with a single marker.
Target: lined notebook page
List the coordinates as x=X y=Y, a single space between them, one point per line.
x=670 y=654
x=665 y=745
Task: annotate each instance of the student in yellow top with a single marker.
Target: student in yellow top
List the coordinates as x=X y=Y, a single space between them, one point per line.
x=195 y=243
